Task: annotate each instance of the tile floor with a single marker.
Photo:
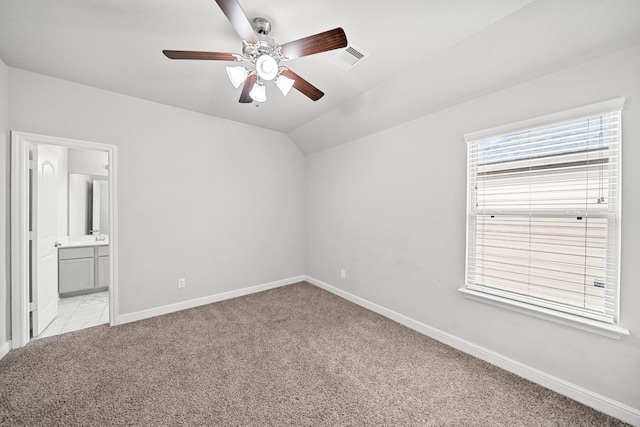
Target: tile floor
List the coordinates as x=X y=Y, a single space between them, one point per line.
x=79 y=312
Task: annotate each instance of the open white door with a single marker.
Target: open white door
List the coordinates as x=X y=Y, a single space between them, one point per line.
x=44 y=251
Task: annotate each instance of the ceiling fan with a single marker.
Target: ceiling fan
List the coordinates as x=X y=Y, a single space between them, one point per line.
x=264 y=55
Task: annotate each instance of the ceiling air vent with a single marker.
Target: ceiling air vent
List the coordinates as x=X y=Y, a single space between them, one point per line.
x=348 y=58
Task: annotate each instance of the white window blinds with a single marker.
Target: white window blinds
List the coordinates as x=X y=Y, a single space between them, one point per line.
x=543 y=209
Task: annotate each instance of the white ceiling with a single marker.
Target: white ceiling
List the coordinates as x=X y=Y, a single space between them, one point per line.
x=424 y=54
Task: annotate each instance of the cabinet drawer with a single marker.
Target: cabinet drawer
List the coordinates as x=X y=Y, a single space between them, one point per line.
x=71 y=253
x=103 y=250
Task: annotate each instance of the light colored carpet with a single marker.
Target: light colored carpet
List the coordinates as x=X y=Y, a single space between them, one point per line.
x=295 y=355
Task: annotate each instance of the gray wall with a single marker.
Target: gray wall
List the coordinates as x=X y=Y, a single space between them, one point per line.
x=217 y=202
x=390 y=210
x=4 y=208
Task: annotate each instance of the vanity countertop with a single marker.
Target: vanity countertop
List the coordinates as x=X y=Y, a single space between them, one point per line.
x=82 y=241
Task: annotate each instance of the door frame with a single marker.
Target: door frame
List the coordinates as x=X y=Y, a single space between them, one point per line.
x=20 y=142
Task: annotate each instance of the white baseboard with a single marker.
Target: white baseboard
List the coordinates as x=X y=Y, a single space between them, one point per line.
x=4 y=348
x=590 y=398
x=184 y=305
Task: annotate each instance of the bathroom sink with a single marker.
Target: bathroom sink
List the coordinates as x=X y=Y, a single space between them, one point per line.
x=76 y=241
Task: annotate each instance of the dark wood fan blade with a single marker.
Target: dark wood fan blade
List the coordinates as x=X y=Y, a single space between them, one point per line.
x=303 y=86
x=322 y=42
x=248 y=85
x=239 y=21
x=190 y=54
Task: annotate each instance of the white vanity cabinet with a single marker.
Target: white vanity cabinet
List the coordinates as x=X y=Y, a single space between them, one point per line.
x=83 y=270
x=102 y=274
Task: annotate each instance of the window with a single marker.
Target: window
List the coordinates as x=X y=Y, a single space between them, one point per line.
x=543 y=212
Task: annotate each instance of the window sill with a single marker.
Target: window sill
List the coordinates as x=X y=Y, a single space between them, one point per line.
x=593 y=326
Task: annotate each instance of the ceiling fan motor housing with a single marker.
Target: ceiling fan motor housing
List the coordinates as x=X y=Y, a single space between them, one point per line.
x=264 y=54
x=261 y=26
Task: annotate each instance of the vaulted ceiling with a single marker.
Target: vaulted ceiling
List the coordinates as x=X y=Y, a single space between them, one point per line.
x=423 y=55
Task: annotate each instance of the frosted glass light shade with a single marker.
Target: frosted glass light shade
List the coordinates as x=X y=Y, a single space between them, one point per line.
x=267 y=67
x=237 y=75
x=258 y=92
x=284 y=84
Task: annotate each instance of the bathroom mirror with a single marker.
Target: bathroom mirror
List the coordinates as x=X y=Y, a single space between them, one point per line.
x=88 y=205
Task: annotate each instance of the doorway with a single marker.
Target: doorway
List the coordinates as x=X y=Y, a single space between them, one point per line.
x=33 y=238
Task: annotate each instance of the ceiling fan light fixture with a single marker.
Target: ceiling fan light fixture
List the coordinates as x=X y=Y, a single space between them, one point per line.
x=258 y=93
x=267 y=67
x=237 y=75
x=284 y=84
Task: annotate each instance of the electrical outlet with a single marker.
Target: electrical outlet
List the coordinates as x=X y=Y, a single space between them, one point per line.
x=182 y=282
x=343 y=274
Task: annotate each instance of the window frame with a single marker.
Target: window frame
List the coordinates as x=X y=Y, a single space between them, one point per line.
x=611 y=330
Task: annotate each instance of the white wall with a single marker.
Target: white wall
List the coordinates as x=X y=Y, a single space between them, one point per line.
x=217 y=202
x=390 y=210
x=90 y=162
x=5 y=312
